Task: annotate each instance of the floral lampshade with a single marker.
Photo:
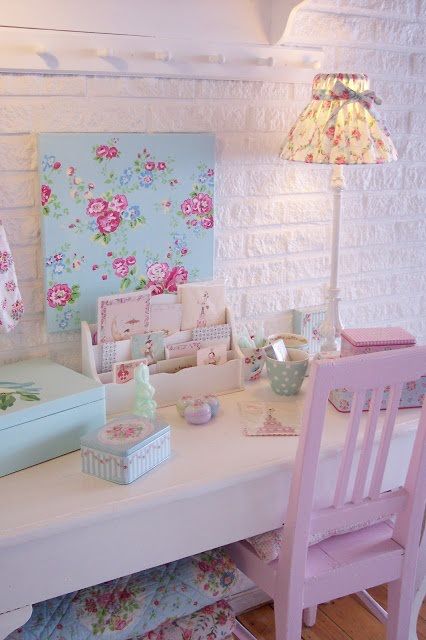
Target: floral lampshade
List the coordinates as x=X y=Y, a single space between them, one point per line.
x=340 y=125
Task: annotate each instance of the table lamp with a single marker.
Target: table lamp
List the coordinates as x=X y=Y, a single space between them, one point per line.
x=339 y=126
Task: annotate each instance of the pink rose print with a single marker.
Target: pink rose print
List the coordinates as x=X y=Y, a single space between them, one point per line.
x=131 y=260
x=207 y=222
x=186 y=207
x=118 y=203
x=149 y=166
x=177 y=275
x=109 y=221
x=356 y=133
x=102 y=151
x=45 y=194
x=57 y=165
x=340 y=160
x=161 y=166
x=196 y=204
x=112 y=152
x=10 y=286
x=157 y=272
x=104 y=277
x=330 y=132
x=206 y=203
x=58 y=295
x=120 y=267
x=70 y=171
x=96 y=206
x=17 y=310
x=6 y=261
x=309 y=157
x=120 y=624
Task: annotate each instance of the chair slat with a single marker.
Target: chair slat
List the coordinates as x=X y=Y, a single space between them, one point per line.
x=349 y=450
x=385 y=440
x=367 y=446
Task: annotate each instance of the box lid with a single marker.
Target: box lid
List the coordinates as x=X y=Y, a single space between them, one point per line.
x=377 y=336
x=125 y=434
x=33 y=389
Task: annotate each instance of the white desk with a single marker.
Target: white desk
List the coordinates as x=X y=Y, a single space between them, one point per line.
x=61 y=530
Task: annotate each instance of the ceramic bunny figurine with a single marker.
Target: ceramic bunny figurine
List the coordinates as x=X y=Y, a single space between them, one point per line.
x=145 y=405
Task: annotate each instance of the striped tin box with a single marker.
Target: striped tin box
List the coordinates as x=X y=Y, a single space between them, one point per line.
x=368 y=340
x=125 y=448
x=307 y=322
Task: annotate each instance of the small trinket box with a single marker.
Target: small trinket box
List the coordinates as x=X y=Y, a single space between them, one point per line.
x=198 y=409
x=125 y=448
x=357 y=341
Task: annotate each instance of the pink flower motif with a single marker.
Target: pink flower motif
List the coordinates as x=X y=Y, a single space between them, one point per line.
x=184 y=251
x=118 y=203
x=70 y=171
x=104 y=277
x=309 y=158
x=130 y=260
x=118 y=262
x=356 y=133
x=207 y=222
x=210 y=172
x=340 y=160
x=161 y=166
x=186 y=207
x=157 y=272
x=122 y=270
x=112 y=152
x=58 y=295
x=206 y=203
x=102 y=151
x=330 y=132
x=155 y=287
x=45 y=194
x=96 y=206
x=177 y=275
x=109 y=221
x=10 y=286
x=196 y=204
x=120 y=624
x=58 y=257
x=94 y=267
x=149 y=166
x=57 y=165
x=6 y=261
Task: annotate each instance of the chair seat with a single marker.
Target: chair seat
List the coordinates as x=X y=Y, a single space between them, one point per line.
x=267 y=545
x=134 y=605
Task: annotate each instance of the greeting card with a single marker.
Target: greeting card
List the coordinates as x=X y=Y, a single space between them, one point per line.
x=182 y=349
x=166 y=318
x=269 y=419
x=111 y=352
x=219 y=332
x=203 y=305
x=215 y=354
x=122 y=372
x=122 y=316
x=149 y=346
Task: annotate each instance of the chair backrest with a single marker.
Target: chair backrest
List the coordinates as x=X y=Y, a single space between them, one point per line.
x=360 y=501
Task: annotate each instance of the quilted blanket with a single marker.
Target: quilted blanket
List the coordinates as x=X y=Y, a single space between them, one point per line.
x=132 y=606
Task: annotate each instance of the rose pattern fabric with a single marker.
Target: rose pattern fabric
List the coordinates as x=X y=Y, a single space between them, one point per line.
x=12 y=306
x=133 y=607
x=340 y=125
x=115 y=214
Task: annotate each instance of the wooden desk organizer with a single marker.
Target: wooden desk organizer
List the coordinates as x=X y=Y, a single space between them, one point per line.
x=169 y=387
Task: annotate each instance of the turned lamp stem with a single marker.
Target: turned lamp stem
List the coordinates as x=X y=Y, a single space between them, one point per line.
x=331 y=328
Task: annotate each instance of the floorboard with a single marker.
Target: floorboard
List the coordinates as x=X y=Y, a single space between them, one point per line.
x=342 y=619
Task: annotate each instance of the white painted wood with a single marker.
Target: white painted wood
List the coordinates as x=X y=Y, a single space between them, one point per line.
x=378 y=611
x=256 y=21
x=11 y=620
x=249 y=599
x=70 y=530
x=44 y=51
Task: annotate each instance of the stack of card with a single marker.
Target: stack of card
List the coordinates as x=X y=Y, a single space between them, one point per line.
x=140 y=327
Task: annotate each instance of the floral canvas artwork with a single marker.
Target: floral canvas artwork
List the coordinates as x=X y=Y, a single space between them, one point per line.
x=123 y=212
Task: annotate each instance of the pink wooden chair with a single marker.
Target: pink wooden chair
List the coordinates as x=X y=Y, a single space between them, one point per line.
x=376 y=550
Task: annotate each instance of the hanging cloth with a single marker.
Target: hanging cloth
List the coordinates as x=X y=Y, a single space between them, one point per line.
x=11 y=305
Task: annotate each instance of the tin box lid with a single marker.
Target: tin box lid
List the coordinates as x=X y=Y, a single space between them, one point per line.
x=377 y=336
x=33 y=389
x=125 y=434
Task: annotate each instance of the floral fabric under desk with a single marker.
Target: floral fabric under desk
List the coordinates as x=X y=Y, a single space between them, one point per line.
x=130 y=607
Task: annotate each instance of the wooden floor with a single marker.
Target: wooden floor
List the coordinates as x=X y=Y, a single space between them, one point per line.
x=342 y=619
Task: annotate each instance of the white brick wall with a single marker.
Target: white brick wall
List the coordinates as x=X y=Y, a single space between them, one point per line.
x=273 y=220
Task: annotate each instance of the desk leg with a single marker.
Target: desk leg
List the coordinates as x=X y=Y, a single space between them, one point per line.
x=420 y=587
x=11 y=620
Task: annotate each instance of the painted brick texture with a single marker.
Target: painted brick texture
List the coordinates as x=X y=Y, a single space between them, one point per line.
x=273 y=219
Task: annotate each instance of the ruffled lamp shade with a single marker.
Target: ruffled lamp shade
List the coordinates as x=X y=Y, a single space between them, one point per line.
x=340 y=125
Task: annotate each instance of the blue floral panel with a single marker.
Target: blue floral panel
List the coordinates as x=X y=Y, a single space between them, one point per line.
x=123 y=212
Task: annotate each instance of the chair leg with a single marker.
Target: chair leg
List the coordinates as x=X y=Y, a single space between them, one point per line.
x=310 y=616
x=288 y=624
x=400 y=600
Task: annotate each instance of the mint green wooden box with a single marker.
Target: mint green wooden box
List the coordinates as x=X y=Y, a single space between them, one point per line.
x=45 y=408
